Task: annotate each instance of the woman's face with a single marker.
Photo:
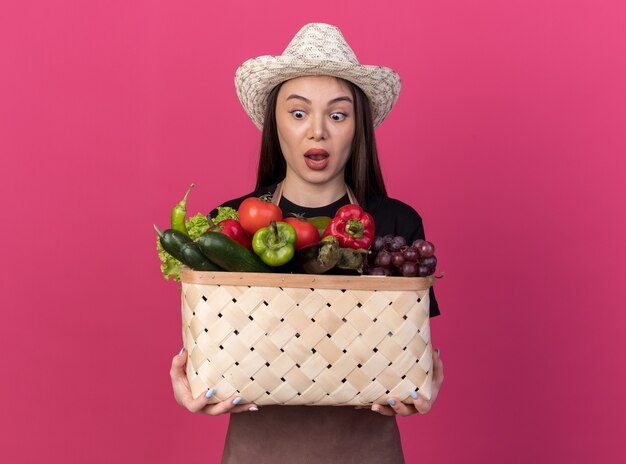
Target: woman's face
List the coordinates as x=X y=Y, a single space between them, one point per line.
x=315 y=122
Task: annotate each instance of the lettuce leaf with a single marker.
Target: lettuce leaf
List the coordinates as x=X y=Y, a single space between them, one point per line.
x=197 y=225
x=225 y=212
x=170 y=266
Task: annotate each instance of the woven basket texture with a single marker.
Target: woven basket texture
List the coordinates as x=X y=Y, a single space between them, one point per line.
x=290 y=345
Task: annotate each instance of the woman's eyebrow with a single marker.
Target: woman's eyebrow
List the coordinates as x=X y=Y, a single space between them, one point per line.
x=334 y=100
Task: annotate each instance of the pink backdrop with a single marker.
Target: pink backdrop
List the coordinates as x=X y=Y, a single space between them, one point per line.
x=508 y=138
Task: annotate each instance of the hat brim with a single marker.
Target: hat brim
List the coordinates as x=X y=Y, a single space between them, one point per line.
x=255 y=79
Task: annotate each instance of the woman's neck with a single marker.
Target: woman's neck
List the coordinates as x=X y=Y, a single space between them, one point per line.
x=313 y=195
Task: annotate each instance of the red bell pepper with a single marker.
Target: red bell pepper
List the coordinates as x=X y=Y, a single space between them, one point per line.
x=231 y=228
x=353 y=227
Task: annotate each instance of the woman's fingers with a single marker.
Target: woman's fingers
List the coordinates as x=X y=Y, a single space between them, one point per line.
x=437 y=375
x=396 y=406
x=384 y=410
x=437 y=367
x=420 y=404
x=204 y=403
x=180 y=384
x=400 y=408
x=233 y=404
x=178 y=364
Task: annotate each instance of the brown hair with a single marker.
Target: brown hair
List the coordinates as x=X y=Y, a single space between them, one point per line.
x=362 y=174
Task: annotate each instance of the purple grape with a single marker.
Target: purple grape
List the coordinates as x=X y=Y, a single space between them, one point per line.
x=426 y=249
x=388 y=238
x=397 y=259
x=411 y=254
x=409 y=269
x=378 y=244
x=431 y=261
x=383 y=259
x=397 y=243
x=417 y=243
x=379 y=271
x=423 y=271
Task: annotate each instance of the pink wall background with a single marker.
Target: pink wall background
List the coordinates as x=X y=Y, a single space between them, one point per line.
x=508 y=138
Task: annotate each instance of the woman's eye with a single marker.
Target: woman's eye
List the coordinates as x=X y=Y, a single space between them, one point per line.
x=338 y=116
x=298 y=114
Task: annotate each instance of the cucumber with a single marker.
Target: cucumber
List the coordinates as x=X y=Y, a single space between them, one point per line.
x=228 y=254
x=172 y=241
x=195 y=259
x=181 y=247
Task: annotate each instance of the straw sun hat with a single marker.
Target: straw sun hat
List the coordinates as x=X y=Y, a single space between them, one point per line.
x=317 y=49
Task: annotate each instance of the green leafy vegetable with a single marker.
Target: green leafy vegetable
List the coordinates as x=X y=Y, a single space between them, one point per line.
x=197 y=225
x=225 y=212
x=170 y=266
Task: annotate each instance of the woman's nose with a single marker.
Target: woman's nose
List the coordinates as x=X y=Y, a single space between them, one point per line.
x=317 y=129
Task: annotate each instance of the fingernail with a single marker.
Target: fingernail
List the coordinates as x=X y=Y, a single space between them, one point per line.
x=253 y=408
x=391 y=402
x=438 y=352
x=375 y=409
x=182 y=350
x=414 y=395
x=237 y=400
x=209 y=394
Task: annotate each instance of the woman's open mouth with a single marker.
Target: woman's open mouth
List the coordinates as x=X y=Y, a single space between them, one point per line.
x=316 y=158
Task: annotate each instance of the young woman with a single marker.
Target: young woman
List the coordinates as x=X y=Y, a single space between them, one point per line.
x=317 y=108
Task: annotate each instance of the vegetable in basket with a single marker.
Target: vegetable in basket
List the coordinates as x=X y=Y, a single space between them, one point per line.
x=352 y=259
x=179 y=211
x=185 y=250
x=353 y=227
x=275 y=244
x=320 y=222
x=231 y=228
x=170 y=266
x=319 y=257
x=225 y=212
x=306 y=232
x=230 y=255
x=256 y=213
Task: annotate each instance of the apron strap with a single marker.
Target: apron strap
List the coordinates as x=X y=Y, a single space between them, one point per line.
x=278 y=194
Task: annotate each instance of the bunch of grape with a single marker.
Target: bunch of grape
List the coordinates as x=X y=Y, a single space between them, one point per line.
x=390 y=255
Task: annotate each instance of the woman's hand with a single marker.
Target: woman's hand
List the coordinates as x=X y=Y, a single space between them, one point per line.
x=182 y=393
x=420 y=404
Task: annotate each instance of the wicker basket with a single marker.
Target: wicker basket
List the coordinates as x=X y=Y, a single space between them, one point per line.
x=298 y=339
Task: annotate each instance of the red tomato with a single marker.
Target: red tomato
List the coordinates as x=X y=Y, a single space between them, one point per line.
x=305 y=231
x=255 y=213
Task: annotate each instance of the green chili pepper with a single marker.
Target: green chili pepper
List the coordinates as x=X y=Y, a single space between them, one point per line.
x=179 y=212
x=275 y=244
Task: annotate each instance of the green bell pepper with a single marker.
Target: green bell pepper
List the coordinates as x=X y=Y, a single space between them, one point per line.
x=275 y=244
